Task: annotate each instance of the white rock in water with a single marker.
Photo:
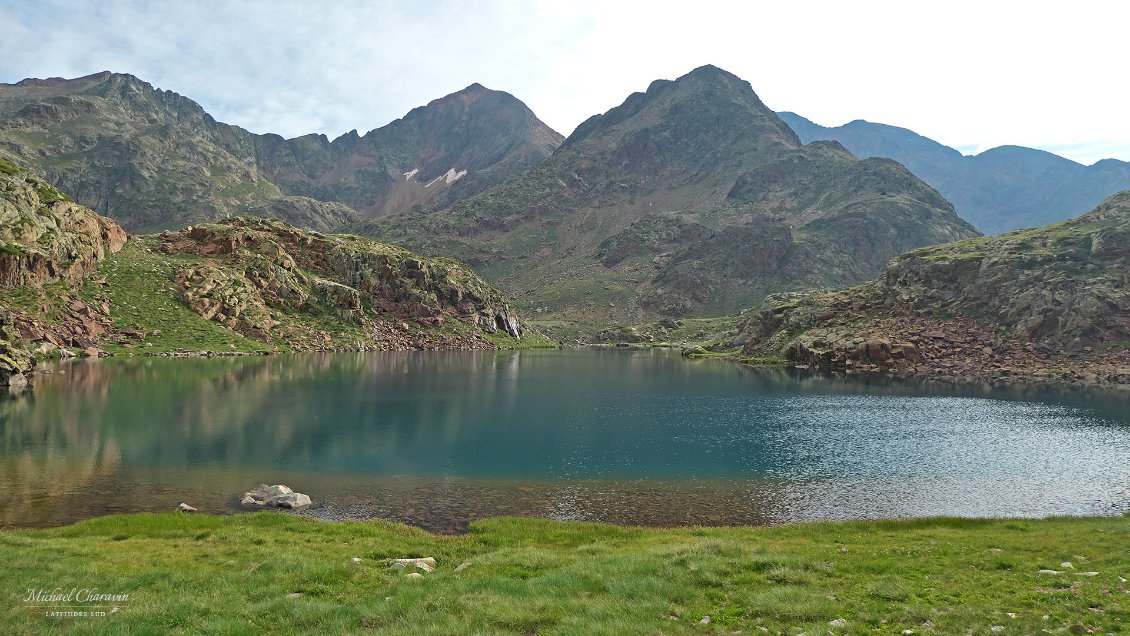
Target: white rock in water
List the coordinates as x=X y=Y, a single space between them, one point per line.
x=183 y=507
x=277 y=496
x=289 y=500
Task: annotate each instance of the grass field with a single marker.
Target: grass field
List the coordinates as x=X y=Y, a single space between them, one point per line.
x=275 y=573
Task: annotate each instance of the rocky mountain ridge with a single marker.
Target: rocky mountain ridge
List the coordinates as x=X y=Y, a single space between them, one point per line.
x=690 y=198
x=453 y=147
x=997 y=190
x=153 y=159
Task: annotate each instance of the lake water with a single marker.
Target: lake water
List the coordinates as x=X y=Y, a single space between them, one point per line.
x=638 y=437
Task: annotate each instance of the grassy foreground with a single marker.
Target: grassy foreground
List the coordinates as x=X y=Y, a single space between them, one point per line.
x=276 y=573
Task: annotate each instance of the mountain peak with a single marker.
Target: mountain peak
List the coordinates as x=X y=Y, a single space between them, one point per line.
x=705 y=104
x=709 y=70
x=482 y=134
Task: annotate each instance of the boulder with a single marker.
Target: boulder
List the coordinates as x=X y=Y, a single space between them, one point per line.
x=277 y=496
x=15 y=361
x=427 y=564
x=183 y=507
x=290 y=500
x=14 y=381
x=45 y=348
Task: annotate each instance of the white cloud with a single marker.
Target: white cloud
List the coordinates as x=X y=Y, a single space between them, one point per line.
x=969 y=74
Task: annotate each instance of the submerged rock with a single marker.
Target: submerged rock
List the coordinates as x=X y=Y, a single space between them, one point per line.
x=277 y=496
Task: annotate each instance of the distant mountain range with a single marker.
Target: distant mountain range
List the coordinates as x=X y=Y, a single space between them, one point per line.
x=1002 y=189
x=690 y=198
x=152 y=159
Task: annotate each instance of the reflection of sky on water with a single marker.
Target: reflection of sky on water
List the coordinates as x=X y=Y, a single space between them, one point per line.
x=601 y=434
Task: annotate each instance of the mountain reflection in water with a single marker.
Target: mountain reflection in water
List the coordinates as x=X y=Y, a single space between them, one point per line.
x=441 y=438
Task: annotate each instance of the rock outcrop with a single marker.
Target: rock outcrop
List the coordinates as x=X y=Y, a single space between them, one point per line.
x=263 y=279
x=306 y=213
x=255 y=271
x=47 y=239
x=44 y=236
x=15 y=361
x=1045 y=301
x=277 y=496
x=1064 y=285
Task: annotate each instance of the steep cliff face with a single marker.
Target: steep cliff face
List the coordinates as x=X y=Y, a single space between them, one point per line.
x=1030 y=297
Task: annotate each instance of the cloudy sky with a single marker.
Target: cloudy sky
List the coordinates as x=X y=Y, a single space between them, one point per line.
x=973 y=75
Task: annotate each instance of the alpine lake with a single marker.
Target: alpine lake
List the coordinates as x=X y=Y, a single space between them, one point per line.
x=639 y=437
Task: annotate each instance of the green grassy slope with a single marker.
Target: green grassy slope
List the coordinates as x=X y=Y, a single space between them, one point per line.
x=272 y=573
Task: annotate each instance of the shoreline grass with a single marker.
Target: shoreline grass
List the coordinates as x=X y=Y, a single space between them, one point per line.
x=278 y=573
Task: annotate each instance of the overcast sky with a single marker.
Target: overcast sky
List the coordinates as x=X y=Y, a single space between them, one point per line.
x=972 y=75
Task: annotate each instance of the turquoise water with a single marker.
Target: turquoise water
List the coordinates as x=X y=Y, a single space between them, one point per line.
x=439 y=439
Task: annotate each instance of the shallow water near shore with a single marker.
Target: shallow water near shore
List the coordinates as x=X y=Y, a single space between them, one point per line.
x=438 y=439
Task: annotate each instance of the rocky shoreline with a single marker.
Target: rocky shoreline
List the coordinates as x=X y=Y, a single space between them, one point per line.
x=956 y=351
